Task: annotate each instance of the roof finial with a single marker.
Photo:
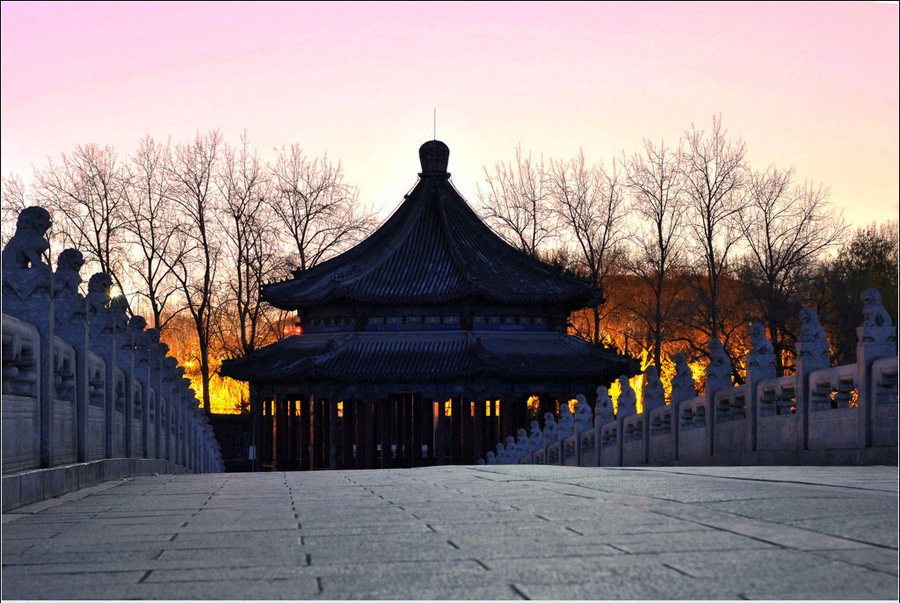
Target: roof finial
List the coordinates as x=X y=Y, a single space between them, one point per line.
x=434 y=156
x=434 y=137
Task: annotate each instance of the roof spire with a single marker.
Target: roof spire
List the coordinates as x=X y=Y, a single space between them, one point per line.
x=434 y=156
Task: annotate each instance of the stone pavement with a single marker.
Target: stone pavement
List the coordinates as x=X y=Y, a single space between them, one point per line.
x=498 y=532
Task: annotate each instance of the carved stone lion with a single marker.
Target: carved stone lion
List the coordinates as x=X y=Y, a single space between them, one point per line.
x=653 y=393
x=627 y=402
x=758 y=340
x=536 y=439
x=67 y=277
x=683 y=386
x=603 y=407
x=874 y=314
x=25 y=247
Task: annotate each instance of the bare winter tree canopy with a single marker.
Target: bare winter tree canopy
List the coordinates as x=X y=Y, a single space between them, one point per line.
x=786 y=227
x=516 y=203
x=190 y=231
x=87 y=192
x=656 y=187
x=315 y=207
x=686 y=240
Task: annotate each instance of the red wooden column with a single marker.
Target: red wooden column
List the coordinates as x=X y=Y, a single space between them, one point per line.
x=348 y=433
x=333 y=441
x=256 y=408
x=456 y=416
x=305 y=432
x=428 y=426
x=384 y=412
x=465 y=428
x=478 y=439
x=406 y=402
x=291 y=425
x=418 y=411
x=368 y=433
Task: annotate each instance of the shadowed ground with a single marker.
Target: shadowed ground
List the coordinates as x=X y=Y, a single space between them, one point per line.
x=513 y=532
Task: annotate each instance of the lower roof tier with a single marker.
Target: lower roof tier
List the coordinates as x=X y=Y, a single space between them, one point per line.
x=428 y=357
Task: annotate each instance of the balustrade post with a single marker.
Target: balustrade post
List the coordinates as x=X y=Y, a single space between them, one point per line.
x=760 y=363
x=812 y=354
x=876 y=338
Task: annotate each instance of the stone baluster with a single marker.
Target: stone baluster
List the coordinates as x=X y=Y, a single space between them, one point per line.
x=535 y=438
x=523 y=447
x=812 y=354
x=603 y=409
x=27 y=295
x=71 y=325
x=876 y=338
x=718 y=377
x=760 y=363
x=626 y=406
x=584 y=417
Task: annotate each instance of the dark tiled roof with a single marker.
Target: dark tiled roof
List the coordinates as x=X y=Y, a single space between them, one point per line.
x=429 y=357
x=433 y=249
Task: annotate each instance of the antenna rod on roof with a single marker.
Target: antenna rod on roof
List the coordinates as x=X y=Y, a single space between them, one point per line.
x=435 y=124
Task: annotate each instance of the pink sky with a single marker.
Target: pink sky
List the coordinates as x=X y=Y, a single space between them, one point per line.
x=813 y=86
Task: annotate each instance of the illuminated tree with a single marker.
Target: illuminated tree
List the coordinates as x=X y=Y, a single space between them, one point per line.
x=715 y=174
x=152 y=226
x=656 y=188
x=194 y=255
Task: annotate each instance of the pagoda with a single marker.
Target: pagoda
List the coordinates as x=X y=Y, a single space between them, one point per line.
x=426 y=343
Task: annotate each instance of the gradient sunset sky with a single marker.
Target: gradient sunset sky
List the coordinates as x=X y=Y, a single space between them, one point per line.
x=813 y=86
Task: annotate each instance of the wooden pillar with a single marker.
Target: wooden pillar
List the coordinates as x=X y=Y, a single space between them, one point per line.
x=428 y=429
x=347 y=431
x=368 y=429
x=255 y=409
x=305 y=432
x=384 y=413
x=456 y=421
x=465 y=428
x=281 y=432
x=333 y=440
x=406 y=402
x=418 y=408
x=478 y=430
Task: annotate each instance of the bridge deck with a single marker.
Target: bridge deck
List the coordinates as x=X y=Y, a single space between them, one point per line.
x=504 y=532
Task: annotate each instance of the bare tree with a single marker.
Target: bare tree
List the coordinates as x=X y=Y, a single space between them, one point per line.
x=657 y=192
x=247 y=222
x=714 y=171
x=786 y=228
x=320 y=212
x=194 y=255
x=86 y=192
x=13 y=201
x=152 y=227
x=517 y=204
x=589 y=204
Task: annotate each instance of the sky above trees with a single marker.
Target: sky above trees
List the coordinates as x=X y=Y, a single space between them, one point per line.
x=808 y=86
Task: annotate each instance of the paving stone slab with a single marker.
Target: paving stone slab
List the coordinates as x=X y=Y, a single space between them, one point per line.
x=509 y=532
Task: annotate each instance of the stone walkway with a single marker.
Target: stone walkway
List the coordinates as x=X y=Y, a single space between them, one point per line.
x=515 y=532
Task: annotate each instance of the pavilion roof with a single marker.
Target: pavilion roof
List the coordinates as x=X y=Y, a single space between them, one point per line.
x=379 y=357
x=433 y=249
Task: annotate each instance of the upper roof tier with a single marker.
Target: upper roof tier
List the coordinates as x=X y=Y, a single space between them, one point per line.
x=434 y=249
